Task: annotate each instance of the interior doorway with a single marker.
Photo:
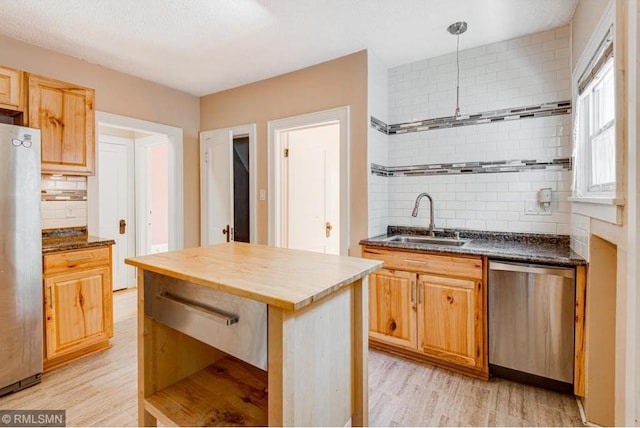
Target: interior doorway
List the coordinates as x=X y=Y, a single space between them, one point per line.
x=309 y=182
x=135 y=198
x=228 y=185
x=241 y=181
x=152 y=174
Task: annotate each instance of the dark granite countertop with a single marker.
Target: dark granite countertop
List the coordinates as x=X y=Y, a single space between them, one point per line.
x=519 y=247
x=70 y=238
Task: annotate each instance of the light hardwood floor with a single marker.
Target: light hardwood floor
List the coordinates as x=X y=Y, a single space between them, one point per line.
x=100 y=390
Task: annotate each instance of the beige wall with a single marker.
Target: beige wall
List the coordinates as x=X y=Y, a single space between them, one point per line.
x=335 y=83
x=125 y=95
x=585 y=19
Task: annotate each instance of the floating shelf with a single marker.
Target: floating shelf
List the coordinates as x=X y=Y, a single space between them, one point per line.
x=229 y=392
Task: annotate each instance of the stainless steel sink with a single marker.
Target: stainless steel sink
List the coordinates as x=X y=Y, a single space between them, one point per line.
x=414 y=239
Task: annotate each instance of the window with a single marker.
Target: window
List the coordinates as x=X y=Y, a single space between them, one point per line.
x=595 y=143
x=601 y=138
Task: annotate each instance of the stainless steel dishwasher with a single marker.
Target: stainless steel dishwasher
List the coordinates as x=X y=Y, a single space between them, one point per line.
x=531 y=323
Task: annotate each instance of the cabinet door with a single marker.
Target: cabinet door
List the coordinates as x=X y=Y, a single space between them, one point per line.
x=78 y=310
x=392 y=309
x=64 y=113
x=450 y=319
x=11 y=89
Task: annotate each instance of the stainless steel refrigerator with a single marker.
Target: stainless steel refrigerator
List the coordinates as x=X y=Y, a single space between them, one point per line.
x=21 y=320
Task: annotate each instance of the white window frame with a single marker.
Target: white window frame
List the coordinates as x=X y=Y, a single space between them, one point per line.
x=604 y=206
x=589 y=135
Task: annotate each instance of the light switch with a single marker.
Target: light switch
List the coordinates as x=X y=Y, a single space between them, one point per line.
x=530 y=207
x=263 y=195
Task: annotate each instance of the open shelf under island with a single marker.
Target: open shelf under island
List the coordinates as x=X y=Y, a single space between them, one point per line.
x=243 y=334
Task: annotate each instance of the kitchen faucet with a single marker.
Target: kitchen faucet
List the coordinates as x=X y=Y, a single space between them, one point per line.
x=414 y=213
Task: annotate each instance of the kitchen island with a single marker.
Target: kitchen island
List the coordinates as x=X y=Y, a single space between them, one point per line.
x=243 y=334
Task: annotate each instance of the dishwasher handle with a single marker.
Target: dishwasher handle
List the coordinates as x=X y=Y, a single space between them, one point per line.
x=531 y=268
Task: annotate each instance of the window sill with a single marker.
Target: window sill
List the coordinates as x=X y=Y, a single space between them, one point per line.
x=597 y=200
x=602 y=208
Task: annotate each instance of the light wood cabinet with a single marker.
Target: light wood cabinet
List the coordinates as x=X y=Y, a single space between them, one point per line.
x=65 y=115
x=78 y=304
x=450 y=315
x=11 y=90
x=392 y=296
x=432 y=309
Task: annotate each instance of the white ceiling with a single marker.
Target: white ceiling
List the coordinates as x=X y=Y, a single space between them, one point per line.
x=204 y=46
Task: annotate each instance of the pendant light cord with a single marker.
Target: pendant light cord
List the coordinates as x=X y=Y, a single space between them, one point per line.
x=456 y=29
x=457 y=114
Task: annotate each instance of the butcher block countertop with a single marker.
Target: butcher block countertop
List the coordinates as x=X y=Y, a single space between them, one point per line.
x=288 y=279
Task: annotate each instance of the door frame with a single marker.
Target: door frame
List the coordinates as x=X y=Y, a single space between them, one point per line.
x=176 y=174
x=276 y=168
x=249 y=130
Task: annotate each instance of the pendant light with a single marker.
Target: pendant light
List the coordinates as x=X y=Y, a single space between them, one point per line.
x=456 y=29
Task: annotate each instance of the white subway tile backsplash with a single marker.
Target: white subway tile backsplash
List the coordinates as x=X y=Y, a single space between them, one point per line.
x=465 y=196
x=519 y=187
x=494 y=225
x=518 y=226
x=486 y=215
x=57 y=214
x=528 y=70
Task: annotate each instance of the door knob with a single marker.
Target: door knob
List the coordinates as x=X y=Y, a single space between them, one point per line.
x=123 y=226
x=327 y=229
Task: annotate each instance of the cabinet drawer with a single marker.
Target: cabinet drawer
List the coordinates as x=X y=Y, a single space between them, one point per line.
x=80 y=259
x=235 y=325
x=468 y=267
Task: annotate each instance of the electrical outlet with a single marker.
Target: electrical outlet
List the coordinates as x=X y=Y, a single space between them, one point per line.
x=263 y=195
x=68 y=211
x=535 y=208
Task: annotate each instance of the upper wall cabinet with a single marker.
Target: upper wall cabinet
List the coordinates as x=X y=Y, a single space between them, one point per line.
x=65 y=115
x=11 y=95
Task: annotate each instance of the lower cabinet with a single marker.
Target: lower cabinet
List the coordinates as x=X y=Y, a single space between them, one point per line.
x=430 y=307
x=392 y=308
x=78 y=308
x=450 y=319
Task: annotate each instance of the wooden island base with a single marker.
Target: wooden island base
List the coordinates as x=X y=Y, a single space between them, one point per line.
x=316 y=339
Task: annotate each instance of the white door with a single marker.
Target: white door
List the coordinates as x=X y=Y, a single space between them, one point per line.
x=312 y=188
x=216 y=170
x=115 y=190
x=216 y=183
x=309 y=187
